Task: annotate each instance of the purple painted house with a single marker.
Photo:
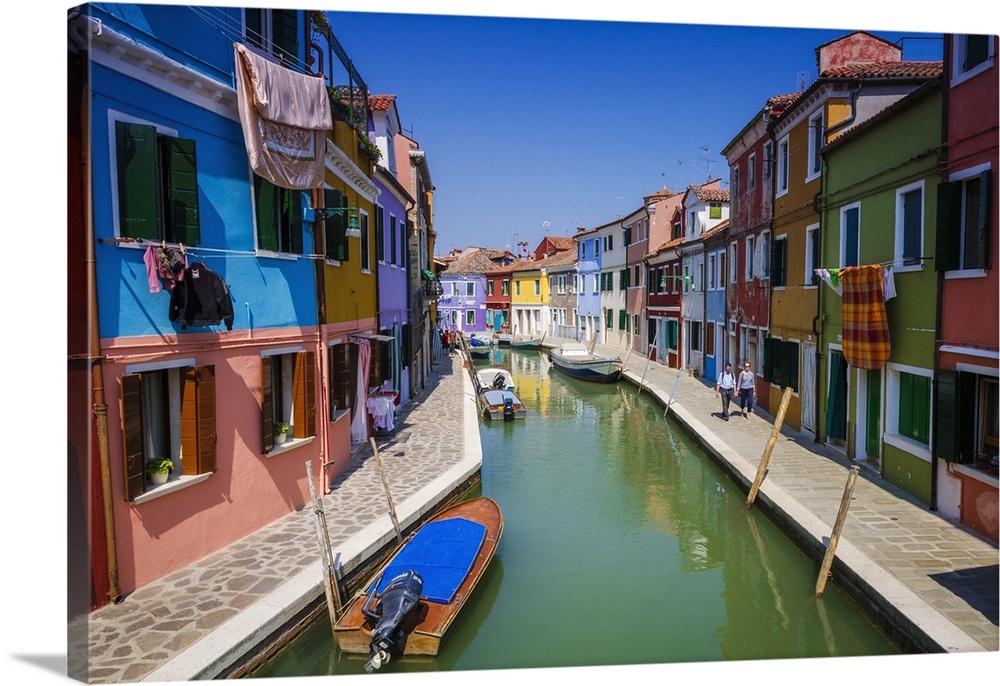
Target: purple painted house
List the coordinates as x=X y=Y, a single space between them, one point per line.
x=391 y=247
x=462 y=305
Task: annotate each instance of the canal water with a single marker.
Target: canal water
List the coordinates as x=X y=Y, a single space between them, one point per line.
x=623 y=544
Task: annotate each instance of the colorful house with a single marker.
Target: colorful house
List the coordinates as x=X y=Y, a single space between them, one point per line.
x=635 y=236
x=879 y=204
x=859 y=75
x=463 y=301
x=498 y=299
x=590 y=281
x=750 y=154
x=663 y=281
x=560 y=269
x=714 y=241
x=965 y=440
x=171 y=186
x=613 y=261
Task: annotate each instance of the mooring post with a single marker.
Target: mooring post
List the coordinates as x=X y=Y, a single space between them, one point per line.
x=388 y=494
x=831 y=548
x=333 y=604
x=672 y=391
x=766 y=457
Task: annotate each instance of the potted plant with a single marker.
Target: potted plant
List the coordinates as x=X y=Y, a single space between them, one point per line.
x=159 y=469
x=280 y=432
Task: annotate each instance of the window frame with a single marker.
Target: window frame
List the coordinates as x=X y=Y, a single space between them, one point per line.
x=782 y=167
x=294 y=403
x=916 y=263
x=844 y=261
x=816 y=132
x=960 y=47
x=894 y=389
x=812 y=256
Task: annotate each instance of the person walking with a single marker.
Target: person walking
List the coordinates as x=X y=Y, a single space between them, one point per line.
x=745 y=383
x=724 y=388
x=445 y=341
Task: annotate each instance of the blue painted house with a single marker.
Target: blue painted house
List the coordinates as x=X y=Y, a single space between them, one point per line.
x=588 y=294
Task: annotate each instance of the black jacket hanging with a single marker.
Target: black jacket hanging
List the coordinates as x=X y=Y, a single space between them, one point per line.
x=201 y=299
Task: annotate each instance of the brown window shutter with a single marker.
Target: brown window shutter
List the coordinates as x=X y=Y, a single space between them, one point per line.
x=304 y=395
x=132 y=451
x=198 y=437
x=340 y=364
x=266 y=406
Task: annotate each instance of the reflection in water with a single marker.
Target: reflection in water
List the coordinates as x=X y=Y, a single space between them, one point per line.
x=622 y=544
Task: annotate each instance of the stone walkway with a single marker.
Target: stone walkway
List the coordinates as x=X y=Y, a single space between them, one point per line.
x=937 y=579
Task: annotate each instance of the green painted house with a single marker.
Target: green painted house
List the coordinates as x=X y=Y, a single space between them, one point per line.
x=878 y=207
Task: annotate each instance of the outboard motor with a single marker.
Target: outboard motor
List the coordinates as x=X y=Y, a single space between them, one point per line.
x=508 y=409
x=499 y=382
x=399 y=598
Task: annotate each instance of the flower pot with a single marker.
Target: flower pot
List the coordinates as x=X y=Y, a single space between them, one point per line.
x=159 y=477
x=280 y=438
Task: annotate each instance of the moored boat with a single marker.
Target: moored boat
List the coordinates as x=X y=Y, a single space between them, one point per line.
x=494 y=378
x=502 y=405
x=527 y=343
x=411 y=601
x=578 y=361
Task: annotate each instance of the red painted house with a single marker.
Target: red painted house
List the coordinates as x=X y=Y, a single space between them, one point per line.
x=750 y=155
x=498 y=298
x=967 y=257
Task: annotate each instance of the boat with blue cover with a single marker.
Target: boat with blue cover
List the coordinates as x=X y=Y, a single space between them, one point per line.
x=410 y=603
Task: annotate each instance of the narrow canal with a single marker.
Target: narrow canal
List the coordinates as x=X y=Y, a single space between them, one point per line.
x=622 y=544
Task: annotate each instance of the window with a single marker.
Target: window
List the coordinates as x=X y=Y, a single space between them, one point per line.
x=622 y=319
x=334 y=226
x=608 y=317
x=963 y=221
x=752 y=171
x=722 y=269
x=597 y=287
x=850 y=235
x=287 y=395
x=393 y=229
x=780 y=364
x=812 y=255
x=517 y=288
x=734 y=183
x=699 y=281
x=379 y=233
x=273 y=31
x=733 y=250
x=470 y=317
x=167 y=413
x=815 y=145
x=675 y=230
x=538 y=286
x=782 y=167
x=710 y=339
x=489 y=288
x=971 y=54
x=505 y=287
x=470 y=289
x=692 y=223
x=778 y=261
x=749 y=263
x=635 y=324
x=909 y=407
x=715 y=210
x=910 y=224
x=597 y=247
x=695 y=336
x=365 y=245
x=711 y=272
x=768 y=160
x=966 y=417
x=671 y=334
x=157 y=184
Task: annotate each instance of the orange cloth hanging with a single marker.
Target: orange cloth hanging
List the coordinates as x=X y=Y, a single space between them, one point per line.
x=866 y=327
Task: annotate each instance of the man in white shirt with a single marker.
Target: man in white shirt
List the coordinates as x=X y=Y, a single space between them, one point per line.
x=724 y=387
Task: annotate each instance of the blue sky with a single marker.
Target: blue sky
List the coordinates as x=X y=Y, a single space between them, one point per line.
x=571 y=121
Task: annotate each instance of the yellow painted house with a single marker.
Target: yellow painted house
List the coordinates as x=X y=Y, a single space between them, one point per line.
x=859 y=75
x=529 y=298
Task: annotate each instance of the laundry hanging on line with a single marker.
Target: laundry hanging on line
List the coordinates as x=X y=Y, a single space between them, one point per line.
x=832 y=278
x=164 y=266
x=866 y=326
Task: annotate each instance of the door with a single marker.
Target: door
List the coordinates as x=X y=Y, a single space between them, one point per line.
x=873 y=427
x=807 y=393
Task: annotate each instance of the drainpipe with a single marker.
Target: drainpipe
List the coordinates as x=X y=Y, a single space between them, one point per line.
x=844 y=123
x=820 y=317
x=100 y=407
x=319 y=267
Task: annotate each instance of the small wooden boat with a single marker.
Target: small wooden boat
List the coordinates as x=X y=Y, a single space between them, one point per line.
x=480 y=353
x=412 y=600
x=503 y=339
x=494 y=378
x=475 y=341
x=527 y=343
x=503 y=405
x=580 y=362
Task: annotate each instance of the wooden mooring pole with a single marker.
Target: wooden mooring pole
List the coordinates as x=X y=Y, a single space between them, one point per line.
x=388 y=494
x=766 y=457
x=831 y=548
x=331 y=587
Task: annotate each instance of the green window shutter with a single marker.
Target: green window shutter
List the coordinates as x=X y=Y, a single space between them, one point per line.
x=946 y=417
x=336 y=240
x=914 y=406
x=284 y=26
x=132 y=433
x=622 y=314
x=365 y=246
x=138 y=165
x=293 y=217
x=983 y=234
x=836 y=401
x=181 y=186
x=778 y=262
x=266 y=197
x=949 y=226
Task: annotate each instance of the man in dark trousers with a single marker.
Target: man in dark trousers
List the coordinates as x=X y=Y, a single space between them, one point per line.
x=724 y=387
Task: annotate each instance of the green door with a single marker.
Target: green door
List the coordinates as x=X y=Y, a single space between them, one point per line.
x=872 y=428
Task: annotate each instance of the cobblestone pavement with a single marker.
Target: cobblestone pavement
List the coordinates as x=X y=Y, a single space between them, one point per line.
x=939 y=576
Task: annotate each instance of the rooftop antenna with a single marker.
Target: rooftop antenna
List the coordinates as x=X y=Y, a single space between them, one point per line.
x=708 y=165
x=620 y=205
x=801 y=80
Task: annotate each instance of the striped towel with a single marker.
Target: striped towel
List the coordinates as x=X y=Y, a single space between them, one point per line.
x=866 y=327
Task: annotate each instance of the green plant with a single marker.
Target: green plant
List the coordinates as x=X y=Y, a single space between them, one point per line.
x=281 y=428
x=159 y=465
x=368 y=148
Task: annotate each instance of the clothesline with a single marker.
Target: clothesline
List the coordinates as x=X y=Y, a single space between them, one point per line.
x=199 y=250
